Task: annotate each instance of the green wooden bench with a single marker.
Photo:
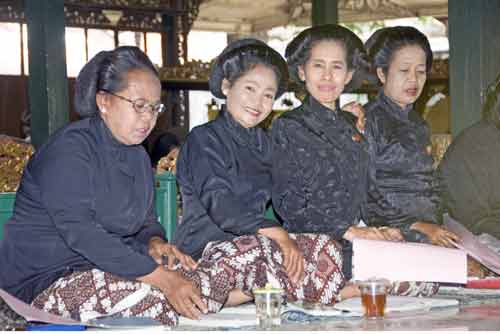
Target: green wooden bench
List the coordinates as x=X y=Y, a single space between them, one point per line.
x=6 y=208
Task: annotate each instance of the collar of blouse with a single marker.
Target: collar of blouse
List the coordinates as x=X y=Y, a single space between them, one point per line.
x=403 y=114
x=250 y=137
x=318 y=109
x=120 y=152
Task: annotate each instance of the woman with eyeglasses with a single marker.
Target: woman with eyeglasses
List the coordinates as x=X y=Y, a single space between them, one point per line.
x=84 y=240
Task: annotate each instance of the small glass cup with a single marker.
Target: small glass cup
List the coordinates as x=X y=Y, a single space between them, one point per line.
x=374 y=296
x=268 y=306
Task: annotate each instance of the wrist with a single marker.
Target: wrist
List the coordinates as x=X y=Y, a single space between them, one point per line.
x=275 y=233
x=419 y=226
x=349 y=234
x=153 y=277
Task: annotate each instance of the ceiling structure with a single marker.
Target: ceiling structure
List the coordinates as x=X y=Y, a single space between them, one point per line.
x=251 y=16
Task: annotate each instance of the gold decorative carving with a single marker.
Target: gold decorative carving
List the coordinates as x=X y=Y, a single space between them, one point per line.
x=193 y=70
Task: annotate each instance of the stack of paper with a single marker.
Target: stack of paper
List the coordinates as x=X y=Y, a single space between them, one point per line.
x=408 y=261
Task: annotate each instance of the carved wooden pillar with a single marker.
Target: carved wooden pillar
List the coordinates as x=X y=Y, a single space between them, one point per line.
x=474 y=33
x=47 y=82
x=174 y=47
x=324 y=11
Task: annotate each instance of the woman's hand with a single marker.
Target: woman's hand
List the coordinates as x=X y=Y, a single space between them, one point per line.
x=293 y=260
x=357 y=110
x=391 y=233
x=182 y=294
x=165 y=254
x=438 y=235
x=373 y=233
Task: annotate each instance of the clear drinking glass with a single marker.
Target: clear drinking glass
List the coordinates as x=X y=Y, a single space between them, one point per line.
x=268 y=306
x=374 y=297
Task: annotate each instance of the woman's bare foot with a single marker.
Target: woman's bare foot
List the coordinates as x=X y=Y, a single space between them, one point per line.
x=349 y=291
x=237 y=297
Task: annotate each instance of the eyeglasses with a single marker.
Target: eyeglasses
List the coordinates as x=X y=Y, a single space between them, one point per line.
x=141 y=105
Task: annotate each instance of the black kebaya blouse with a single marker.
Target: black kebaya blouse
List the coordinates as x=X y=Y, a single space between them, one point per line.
x=320 y=176
x=224 y=173
x=85 y=201
x=320 y=165
x=403 y=186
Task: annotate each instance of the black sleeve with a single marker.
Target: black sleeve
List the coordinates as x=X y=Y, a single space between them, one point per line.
x=151 y=228
x=65 y=180
x=301 y=193
x=206 y=158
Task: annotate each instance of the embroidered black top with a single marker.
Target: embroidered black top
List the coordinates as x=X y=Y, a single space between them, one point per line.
x=85 y=201
x=319 y=169
x=403 y=186
x=224 y=172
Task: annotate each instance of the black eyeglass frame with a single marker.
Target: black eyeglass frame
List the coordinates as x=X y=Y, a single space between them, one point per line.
x=156 y=108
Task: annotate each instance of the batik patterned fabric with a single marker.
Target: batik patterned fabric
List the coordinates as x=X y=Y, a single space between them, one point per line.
x=85 y=295
x=245 y=263
x=414 y=289
x=252 y=261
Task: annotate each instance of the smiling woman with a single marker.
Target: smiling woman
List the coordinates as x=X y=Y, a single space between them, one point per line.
x=224 y=171
x=320 y=156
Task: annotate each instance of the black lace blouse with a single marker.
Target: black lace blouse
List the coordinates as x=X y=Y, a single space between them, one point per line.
x=320 y=165
x=403 y=186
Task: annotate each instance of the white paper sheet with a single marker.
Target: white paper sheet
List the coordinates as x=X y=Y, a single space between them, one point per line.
x=471 y=244
x=232 y=317
x=398 y=304
x=408 y=261
x=31 y=313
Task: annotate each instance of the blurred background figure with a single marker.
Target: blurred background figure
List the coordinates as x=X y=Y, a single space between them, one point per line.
x=164 y=152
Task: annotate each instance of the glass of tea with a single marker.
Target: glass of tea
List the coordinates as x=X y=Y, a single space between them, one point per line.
x=374 y=297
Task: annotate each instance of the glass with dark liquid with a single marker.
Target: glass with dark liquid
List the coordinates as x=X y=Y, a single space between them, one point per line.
x=373 y=297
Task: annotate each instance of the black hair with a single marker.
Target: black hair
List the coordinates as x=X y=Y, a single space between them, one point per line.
x=242 y=56
x=162 y=146
x=385 y=42
x=107 y=71
x=298 y=51
x=491 y=107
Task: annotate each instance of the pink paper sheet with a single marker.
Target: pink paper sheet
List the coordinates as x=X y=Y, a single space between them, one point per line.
x=31 y=313
x=408 y=261
x=471 y=244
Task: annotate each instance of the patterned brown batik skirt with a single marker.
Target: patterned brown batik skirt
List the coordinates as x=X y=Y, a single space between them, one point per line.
x=245 y=263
